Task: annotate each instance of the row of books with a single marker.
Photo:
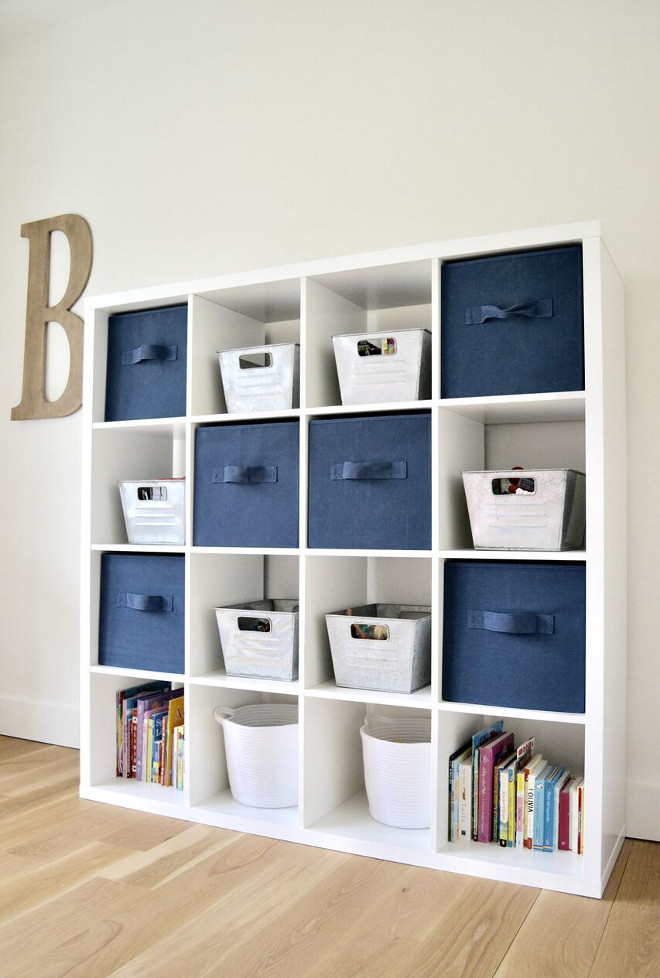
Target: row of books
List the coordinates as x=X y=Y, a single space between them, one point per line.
x=512 y=795
x=150 y=733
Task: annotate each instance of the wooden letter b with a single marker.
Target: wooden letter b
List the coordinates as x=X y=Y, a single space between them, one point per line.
x=39 y=314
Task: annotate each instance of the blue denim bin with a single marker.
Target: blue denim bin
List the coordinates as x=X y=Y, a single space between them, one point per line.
x=370 y=482
x=513 y=324
x=246 y=485
x=146 y=368
x=141 y=619
x=514 y=634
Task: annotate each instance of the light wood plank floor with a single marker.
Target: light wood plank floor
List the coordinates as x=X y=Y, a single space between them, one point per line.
x=91 y=891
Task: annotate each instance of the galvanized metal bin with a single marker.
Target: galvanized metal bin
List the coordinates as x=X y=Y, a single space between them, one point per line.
x=260 y=638
x=154 y=510
x=381 y=646
x=388 y=366
x=530 y=509
x=261 y=378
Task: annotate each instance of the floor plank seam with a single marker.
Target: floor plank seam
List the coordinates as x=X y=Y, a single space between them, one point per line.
x=516 y=934
x=613 y=898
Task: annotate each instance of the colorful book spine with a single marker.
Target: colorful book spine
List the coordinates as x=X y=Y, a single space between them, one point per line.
x=580 y=820
x=511 y=820
x=549 y=813
x=478 y=739
x=453 y=791
x=539 y=808
x=564 y=839
x=489 y=754
x=465 y=798
x=535 y=767
x=555 y=814
x=177 y=778
x=573 y=813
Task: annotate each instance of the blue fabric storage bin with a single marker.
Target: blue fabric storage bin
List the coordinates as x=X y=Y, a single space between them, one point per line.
x=513 y=324
x=146 y=368
x=370 y=482
x=246 y=485
x=514 y=634
x=141 y=620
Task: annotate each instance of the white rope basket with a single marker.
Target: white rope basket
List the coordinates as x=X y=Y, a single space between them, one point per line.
x=397 y=770
x=261 y=748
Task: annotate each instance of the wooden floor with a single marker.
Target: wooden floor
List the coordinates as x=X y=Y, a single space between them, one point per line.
x=90 y=891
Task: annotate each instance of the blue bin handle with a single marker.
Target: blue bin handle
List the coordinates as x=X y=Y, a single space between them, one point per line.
x=244 y=474
x=520 y=623
x=145 y=602
x=376 y=469
x=532 y=309
x=150 y=351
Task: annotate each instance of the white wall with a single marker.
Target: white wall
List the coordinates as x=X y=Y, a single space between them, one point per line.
x=214 y=136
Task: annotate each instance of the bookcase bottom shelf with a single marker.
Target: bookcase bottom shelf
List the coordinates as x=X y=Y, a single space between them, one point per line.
x=153 y=799
x=349 y=828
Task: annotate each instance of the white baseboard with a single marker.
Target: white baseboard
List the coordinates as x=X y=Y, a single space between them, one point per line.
x=643 y=811
x=47 y=723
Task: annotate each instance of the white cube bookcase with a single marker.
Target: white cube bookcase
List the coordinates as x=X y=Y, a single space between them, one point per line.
x=308 y=304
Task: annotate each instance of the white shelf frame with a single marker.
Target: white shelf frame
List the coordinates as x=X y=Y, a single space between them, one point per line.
x=306 y=302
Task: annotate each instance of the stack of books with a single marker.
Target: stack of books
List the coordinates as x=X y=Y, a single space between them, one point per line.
x=150 y=733
x=513 y=796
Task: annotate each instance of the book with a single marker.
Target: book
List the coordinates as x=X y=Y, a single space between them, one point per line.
x=465 y=797
x=523 y=756
x=175 y=717
x=573 y=813
x=148 y=740
x=555 y=814
x=536 y=764
x=126 y=700
x=453 y=793
x=479 y=738
x=148 y=701
x=580 y=819
x=539 y=806
x=504 y=762
x=549 y=807
x=563 y=820
x=489 y=754
x=158 y=722
x=505 y=769
x=511 y=805
x=177 y=757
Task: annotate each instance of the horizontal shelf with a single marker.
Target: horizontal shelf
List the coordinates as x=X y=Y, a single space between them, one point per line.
x=262 y=551
x=128 y=673
x=139 y=424
x=580 y=555
x=140 y=795
x=419 y=699
x=351 y=820
x=246 y=417
x=519 y=408
x=139 y=548
x=482 y=709
x=569 y=555
x=222 y=681
x=564 y=871
x=386 y=407
x=235 y=815
x=369 y=553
